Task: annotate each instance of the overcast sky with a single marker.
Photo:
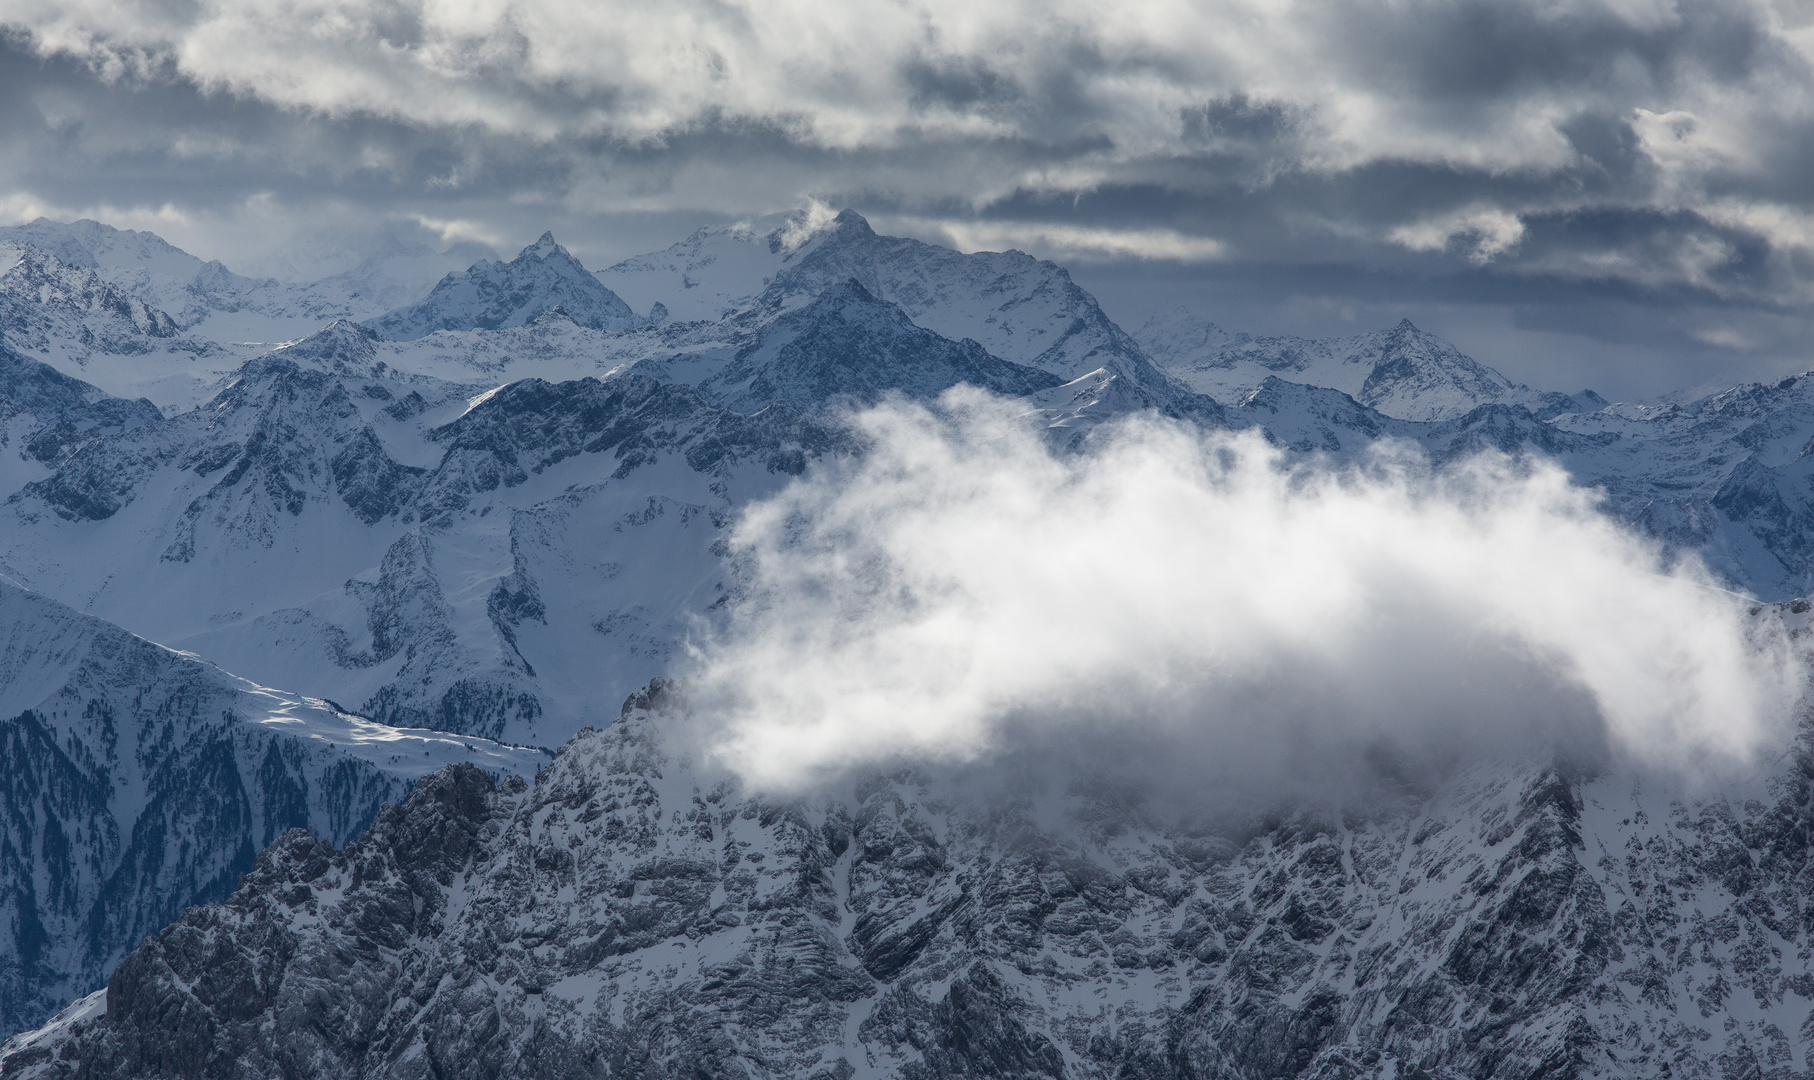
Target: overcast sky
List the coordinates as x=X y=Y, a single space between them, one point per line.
x=1606 y=193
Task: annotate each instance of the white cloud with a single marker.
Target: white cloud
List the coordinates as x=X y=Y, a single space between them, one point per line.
x=1487 y=231
x=862 y=73
x=962 y=592
x=1069 y=241
x=1724 y=337
x=455 y=230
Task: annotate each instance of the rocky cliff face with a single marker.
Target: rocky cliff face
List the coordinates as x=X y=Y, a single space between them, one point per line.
x=138 y=781
x=848 y=345
x=106 y=315
x=52 y=415
x=629 y=914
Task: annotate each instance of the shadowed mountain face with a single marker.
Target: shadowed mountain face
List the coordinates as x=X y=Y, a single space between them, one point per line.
x=37 y=389
x=628 y=915
x=140 y=781
x=498 y=295
x=846 y=344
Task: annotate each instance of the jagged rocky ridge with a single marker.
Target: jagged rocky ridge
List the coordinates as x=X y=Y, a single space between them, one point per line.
x=630 y=914
x=139 y=781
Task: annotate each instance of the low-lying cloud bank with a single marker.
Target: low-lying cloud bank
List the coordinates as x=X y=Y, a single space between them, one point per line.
x=1197 y=603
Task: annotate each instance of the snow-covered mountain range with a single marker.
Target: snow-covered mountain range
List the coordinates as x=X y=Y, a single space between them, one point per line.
x=489 y=501
x=1402 y=372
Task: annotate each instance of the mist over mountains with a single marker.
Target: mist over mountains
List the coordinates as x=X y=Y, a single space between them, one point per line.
x=939 y=679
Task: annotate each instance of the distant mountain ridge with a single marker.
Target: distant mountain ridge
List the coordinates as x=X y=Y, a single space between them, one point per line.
x=1402 y=372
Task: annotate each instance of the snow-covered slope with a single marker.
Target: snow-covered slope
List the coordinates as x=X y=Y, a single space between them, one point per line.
x=629 y=915
x=499 y=295
x=136 y=781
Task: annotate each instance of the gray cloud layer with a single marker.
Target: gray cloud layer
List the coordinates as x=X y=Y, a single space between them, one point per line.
x=1623 y=184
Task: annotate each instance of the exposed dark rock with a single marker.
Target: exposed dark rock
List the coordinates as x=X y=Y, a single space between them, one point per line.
x=629 y=915
x=848 y=345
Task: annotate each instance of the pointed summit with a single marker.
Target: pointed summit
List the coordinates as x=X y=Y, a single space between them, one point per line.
x=542 y=248
x=491 y=295
x=852 y=225
x=341 y=347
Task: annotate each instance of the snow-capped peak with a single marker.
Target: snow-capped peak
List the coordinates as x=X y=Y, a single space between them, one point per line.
x=40 y=277
x=495 y=295
x=342 y=347
x=544 y=248
x=849 y=343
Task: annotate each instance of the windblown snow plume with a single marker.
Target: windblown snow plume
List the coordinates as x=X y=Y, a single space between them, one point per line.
x=962 y=592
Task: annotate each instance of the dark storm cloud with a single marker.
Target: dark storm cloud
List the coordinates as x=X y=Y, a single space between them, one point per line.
x=1499 y=164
